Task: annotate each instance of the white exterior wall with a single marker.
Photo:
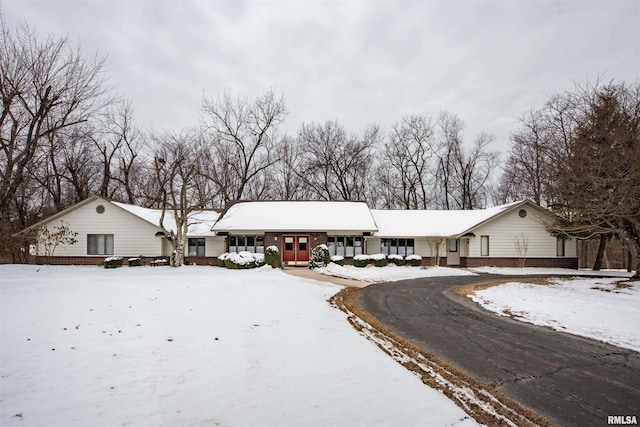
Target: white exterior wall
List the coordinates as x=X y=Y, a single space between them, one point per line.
x=214 y=246
x=373 y=245
x=132 y=236
x=503 y=230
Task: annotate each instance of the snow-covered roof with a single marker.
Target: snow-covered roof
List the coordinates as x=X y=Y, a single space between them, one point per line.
x=200 y=221
x=432 y=223
x=297 y=216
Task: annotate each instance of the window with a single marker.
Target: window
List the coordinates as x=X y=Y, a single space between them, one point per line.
x=402 y=247
x=452 y=245
x=196 y=246
x=250 y=243
x=484 y=245
x=99 y=244
x=288 y=243
x=559 y=246
x=347 y=246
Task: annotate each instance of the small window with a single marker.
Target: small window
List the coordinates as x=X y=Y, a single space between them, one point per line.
x=522 y=213
x=452 y=245
x=484 y=245
x=302 y=243
x=100 y=209
x=99 y=244
x=560 y=246
x=288 y=243
x=196 y=246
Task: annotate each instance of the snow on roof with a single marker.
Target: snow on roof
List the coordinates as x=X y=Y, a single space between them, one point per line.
x=297 y=216
x=200 y=221
x=431 y=223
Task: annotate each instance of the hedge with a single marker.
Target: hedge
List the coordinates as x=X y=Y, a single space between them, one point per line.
x=414 y=260
x=113 y=262
x=337 y=259
x=396 y=259
x=361 y=260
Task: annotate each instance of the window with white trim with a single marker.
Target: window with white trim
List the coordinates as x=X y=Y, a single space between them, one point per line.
x=250 y=243
x=402 y=247
x=347 y=246
x=99 y=244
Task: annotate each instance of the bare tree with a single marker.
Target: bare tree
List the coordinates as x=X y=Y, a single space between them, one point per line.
x=336 y=166
x=46 y=87
x=177 y=169
x=288 y=182
x=408 y=156
x=463 y=176
x=528 y=166
x=521 y=245
x=242 y=135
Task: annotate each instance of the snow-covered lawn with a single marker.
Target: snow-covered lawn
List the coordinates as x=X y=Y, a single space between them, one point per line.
x=591 y=307
x=194 y=346
x=389 y=273
x=550 y=271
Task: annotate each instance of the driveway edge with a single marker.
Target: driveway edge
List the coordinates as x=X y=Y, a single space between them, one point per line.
x=480 y=401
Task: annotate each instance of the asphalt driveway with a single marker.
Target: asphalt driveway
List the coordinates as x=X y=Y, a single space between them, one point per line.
x=570 y=380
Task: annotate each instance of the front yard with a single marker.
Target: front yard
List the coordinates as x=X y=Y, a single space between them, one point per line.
x=194 y=346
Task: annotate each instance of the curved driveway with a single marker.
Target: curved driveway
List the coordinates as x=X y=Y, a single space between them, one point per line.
x=572 y=381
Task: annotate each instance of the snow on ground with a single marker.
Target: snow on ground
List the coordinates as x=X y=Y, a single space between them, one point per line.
x=194 y=346
x=590 y=307
x=389 y=273
x=550 y=271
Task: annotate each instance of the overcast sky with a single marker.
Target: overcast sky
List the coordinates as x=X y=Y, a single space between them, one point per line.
x=358 y=62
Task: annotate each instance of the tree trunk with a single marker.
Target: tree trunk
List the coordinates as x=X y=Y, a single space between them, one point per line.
x=597 y=265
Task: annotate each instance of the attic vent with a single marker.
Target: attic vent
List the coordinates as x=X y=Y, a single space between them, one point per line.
x=100 y=209
x=522 y=213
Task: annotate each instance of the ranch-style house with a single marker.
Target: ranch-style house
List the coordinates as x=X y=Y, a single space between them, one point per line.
x=514 y=234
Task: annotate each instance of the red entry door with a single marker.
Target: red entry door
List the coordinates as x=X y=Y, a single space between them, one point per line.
x=296 y=249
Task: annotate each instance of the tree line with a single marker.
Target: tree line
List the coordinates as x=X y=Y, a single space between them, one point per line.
x=65 y=136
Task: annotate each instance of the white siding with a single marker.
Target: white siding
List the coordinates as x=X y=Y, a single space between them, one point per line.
x=373 y=245
x=214 y=246
x=504 y=230
x=132 y=236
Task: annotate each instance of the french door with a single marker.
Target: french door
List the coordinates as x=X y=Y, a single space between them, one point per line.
x=295 y=248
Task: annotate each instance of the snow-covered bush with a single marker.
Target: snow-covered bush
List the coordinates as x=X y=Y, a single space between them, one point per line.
x=135 y=262
x=414 y=260
x=396 y=259
x=338 y=259
x=319 y=257
x=361 y=260
x=240 y=260
x=113 y=262
x=222 y=258
x=272 y=256
x=259 y=259
x=379 y=260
